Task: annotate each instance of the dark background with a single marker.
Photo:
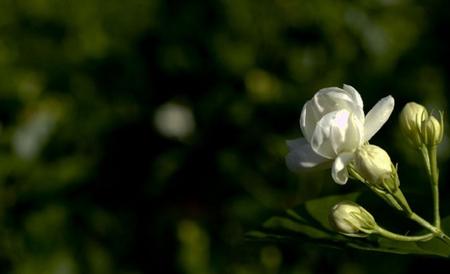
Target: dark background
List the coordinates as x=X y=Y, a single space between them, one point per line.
x=148 y=136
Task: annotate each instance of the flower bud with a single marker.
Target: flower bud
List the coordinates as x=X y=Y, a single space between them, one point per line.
x=411 y=119
x=351 y=219
x=432 y=131
x=373 y=164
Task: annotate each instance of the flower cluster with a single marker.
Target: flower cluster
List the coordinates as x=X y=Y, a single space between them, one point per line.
x=336 y=131
x=419 y=127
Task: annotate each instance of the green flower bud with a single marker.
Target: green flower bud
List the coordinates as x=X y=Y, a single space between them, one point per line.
x=373 y=164
x=411 y=119
x=351 y=219
x=432 y=131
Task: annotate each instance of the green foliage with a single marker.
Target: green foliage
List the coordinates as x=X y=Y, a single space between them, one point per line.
x=309 y=222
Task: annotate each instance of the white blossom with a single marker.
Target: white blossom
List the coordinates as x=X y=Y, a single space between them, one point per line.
x=432 y=131
x=334 y=127
x=373 y=164
x=351 y=219
x=411 y=119
x=421 y=127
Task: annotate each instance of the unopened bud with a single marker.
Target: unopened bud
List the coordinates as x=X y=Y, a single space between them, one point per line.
x=411 y=119
x=373 y=164
x=351 y=219
x=432 y=131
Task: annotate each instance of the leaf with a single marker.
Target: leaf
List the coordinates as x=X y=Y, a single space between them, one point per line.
x=437 y=245
x=309 y=223
x=319 y=209
x=259 y=235
x=294 y=226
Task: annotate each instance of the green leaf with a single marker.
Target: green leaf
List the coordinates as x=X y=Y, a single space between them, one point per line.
x=437 y=245
x=309 y=223
x=293 y=226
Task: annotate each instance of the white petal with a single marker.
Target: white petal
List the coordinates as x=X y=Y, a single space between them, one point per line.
x=328 y=100
x=308 y=119
x=354 y=94
x=321 y=141
x=339 y=128
x=337 y=132
x=377 y=116
x=332 y=99
x=339 y=169
x=301 y=155
x=296 y=143
x=353 y=135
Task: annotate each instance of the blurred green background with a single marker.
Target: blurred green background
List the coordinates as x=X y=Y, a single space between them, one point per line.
x=148 y=136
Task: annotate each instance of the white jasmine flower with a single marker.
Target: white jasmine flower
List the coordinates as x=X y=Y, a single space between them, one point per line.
x=334 y=127
x=411 y=119
x=432 y=131
x=374 y=165
x=351 y=219
x=420 y=127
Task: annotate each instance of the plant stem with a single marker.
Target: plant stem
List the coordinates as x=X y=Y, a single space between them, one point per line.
x=434 y=180
x=445 y=239
x=401 y=200
x=436 y=231
x=429 y=155
x=424 y=150
x=398 y=237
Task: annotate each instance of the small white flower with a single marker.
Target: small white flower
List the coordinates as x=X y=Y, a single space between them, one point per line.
x=351 y=219
x=411 y=119
x=334 y=127
x=374 y=165
x=432 y=131
x=420 y=127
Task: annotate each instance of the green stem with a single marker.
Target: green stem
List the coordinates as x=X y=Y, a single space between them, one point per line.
x=396 y=199
x=401 y=200
x=398 y=237
x=445 y=239
x=434 y=179
x=424 y=150
x=436 y=231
